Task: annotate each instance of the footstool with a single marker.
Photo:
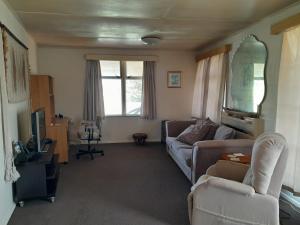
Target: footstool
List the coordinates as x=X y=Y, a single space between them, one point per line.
x=139 y=138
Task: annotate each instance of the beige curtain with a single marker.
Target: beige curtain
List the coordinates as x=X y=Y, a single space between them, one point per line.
x=14 y=96
x=216 y=83
x=209 y=87
x=200 y=89
x=149 y=91
x=288 y=105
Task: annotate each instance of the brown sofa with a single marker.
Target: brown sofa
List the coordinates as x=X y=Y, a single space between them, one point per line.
x=195 y=159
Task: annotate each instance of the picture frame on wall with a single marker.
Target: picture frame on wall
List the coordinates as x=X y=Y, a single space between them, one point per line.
x=174 y=79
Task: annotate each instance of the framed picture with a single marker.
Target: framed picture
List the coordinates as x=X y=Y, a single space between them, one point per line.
x=174 y=79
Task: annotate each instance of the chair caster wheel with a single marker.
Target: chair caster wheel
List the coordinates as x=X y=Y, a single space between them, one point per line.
x=21 y=204
x=52 y=199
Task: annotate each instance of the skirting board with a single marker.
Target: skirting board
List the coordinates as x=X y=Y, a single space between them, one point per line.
x=115 y=142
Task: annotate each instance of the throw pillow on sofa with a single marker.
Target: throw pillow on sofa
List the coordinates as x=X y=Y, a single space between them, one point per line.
x=224 y=132
x=202 y=130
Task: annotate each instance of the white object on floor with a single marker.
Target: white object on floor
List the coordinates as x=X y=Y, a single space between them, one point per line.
x=238 y=154
x=235 y=159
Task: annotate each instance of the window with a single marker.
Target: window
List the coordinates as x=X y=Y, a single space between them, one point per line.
x=122 y=87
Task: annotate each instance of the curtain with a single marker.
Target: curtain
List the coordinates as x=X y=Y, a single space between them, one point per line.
x=216 y=83
x=149 y=92
x=14 y=93
x=288 y=105
x=93 y=92
x=209 y=87
x=200 y=89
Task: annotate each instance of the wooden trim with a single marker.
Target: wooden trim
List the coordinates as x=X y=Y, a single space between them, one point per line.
x=13 y=36
x=285 y=24
x=122 y=57
x=216 y=51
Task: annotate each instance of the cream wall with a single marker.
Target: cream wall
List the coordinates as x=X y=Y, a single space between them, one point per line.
x=67 y=66
x=273 y=43
x=7 y=17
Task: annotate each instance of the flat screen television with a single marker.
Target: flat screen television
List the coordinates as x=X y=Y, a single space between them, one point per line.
x=38 y=129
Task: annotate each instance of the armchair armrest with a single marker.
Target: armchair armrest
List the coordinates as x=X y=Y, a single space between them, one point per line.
x=232 y=186
x=207 y=153
x=174 y=127
x=228 y=170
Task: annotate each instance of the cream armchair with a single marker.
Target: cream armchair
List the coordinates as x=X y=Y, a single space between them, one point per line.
x=231 y=193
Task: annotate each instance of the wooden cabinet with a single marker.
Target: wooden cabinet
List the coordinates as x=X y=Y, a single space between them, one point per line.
x=41 y=93
x=58 y=131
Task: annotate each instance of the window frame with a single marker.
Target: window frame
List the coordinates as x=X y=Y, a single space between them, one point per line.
x=123 y=77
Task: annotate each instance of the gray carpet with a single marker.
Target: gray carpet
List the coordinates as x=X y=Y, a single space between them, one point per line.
x=130 y=185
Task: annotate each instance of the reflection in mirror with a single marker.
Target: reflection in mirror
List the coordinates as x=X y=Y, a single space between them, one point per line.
x=246 y=86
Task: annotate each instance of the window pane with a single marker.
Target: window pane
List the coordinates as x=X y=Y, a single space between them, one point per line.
x=134 y=68
x=112 y=96
x=259 y=70
x=110 y=68
x=133 y=97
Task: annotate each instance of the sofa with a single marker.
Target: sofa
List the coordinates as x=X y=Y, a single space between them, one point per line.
x=195 y=159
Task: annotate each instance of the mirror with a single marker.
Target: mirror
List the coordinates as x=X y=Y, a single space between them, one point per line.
x=246 y=84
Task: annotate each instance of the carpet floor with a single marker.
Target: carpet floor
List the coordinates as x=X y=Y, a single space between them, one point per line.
x=130 y=185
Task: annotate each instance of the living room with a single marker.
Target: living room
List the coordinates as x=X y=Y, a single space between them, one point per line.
x=134 y=80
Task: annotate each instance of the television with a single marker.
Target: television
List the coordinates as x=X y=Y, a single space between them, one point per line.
x=38 y=129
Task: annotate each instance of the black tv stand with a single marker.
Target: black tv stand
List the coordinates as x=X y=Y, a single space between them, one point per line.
x=38 y=179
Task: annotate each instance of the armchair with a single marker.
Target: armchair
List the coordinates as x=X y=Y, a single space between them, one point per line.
x=220 y=196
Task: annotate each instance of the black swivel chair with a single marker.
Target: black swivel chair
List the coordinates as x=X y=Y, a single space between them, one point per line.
x=89 y=138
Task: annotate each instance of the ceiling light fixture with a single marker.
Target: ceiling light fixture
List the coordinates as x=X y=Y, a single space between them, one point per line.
x=151 y=40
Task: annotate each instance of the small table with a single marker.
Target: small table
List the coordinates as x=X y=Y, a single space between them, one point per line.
x=237 y=157
x=139 y=138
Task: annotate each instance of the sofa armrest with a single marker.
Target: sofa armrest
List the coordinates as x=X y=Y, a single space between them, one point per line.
x=174 y=127
x=207 y=153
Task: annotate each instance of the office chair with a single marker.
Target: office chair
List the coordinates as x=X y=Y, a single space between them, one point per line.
x=90 y=132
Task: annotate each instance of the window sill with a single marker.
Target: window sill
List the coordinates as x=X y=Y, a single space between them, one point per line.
x=126 y=116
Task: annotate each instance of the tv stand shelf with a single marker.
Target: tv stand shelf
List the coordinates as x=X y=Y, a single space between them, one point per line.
x=38 y=179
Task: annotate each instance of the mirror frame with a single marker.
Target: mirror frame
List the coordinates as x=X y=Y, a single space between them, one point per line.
x=240 y=113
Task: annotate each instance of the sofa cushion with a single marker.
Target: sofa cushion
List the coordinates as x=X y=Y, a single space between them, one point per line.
x=187 y=130
x=202 y=130
x=212 y=129
x=181 y=150
x=224 y=132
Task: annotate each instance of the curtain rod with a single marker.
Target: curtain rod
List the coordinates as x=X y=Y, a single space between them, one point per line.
x=285 y=24
x=13 y=36
x=216 y=51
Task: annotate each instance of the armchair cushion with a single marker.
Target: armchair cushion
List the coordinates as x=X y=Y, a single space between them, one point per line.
x=228 y=170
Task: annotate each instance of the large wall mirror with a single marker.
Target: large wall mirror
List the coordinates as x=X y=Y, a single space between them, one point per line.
x=246 y=85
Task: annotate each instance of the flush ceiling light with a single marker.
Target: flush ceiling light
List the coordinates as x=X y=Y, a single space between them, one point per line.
x=151 y=40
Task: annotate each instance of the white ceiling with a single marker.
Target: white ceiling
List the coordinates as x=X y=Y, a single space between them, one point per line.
x=182 y=24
